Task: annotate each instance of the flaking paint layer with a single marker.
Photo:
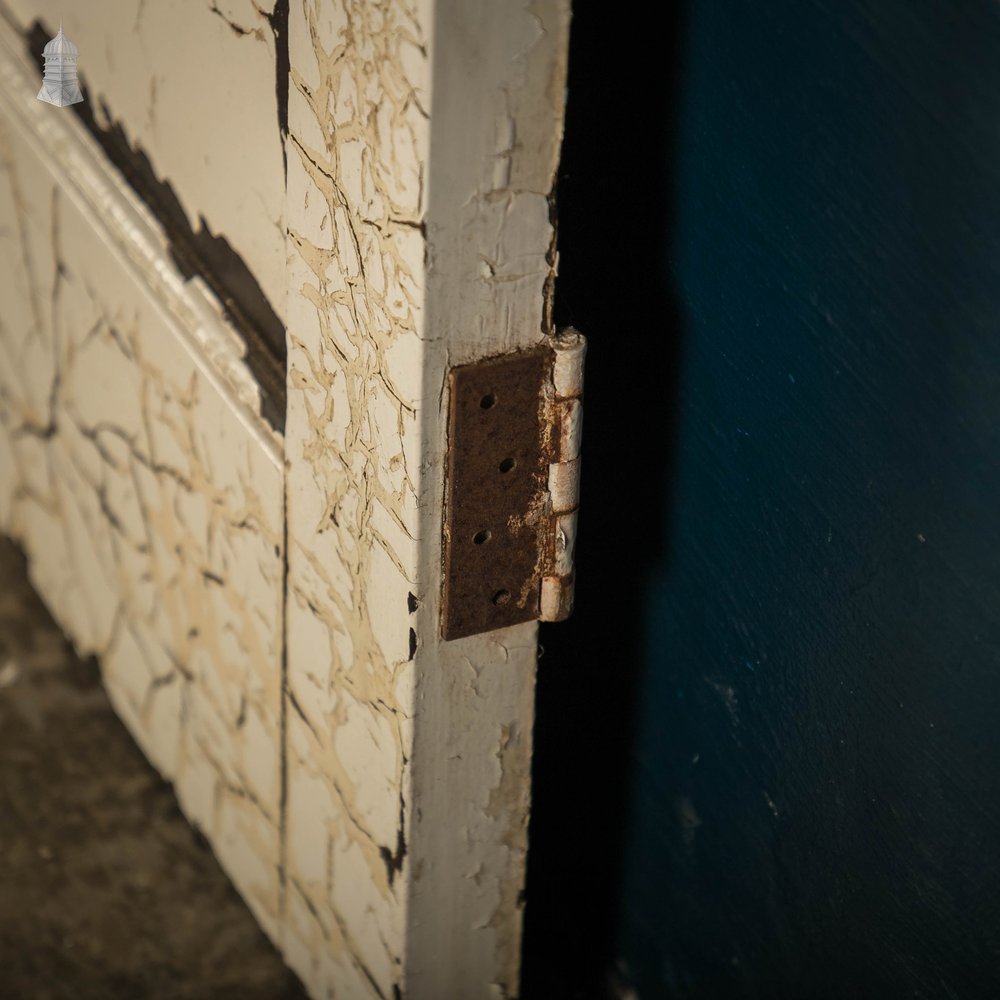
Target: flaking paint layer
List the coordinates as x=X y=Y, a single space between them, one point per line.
x=193 y=83
x=152 y=516
x=357 y=152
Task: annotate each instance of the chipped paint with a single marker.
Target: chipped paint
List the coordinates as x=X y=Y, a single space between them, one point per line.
x=215 y=97
x=356 y=155
x=472 y=746
x=135 y=518
x=365 y=784
x=391 y=280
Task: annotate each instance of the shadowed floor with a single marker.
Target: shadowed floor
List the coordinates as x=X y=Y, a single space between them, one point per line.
x=105 y=890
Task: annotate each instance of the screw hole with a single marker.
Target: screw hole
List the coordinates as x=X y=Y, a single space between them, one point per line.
x=501 y=597
x=488 y=401
x=482 y=536
x=506 y=465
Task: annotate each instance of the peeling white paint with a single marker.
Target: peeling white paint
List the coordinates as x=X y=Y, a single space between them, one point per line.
x=204 y=110
x=130 y=512
x=371 y=804
x=383 y=100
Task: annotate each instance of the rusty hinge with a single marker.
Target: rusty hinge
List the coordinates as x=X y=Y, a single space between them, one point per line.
x=513 y=487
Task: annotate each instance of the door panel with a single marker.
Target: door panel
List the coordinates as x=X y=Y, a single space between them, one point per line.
x=147 y=494
x=200 y=88
x=365 y=783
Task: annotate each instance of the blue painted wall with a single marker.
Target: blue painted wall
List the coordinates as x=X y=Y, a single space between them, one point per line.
x=799 y=795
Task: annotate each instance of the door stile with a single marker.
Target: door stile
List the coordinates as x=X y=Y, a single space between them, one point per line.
x=422 y=145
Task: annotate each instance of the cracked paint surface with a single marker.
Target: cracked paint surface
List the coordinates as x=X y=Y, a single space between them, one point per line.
x=496 y=125
x=193 y=82
x=356 y=156
x=140 y=497
x=423 y=140
x=365 y=784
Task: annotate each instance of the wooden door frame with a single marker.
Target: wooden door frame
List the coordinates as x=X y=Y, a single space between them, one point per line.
x=450 y=195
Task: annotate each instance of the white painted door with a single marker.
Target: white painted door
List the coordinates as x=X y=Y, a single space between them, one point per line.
x=263 y=591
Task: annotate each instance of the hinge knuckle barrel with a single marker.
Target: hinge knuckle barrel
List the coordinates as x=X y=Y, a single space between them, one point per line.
x=569 y=352
x=564 y=486
x=569 y=418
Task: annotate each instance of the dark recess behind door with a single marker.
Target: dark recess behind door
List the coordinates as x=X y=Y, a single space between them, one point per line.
x=768 y=744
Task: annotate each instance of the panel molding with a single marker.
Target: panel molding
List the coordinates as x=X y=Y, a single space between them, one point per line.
x=141 y=481
x=131 y=232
